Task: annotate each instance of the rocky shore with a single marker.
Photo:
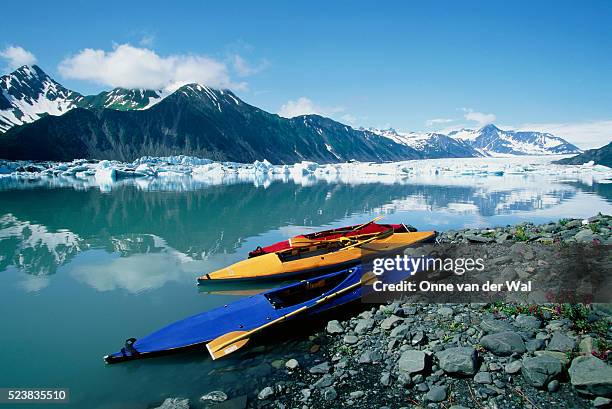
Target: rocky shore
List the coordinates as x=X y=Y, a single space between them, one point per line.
x=454 y=355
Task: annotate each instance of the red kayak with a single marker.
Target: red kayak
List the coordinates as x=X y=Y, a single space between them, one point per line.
x=370 y=228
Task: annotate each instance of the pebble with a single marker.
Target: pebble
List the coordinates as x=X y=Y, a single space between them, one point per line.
x=214 y=396
x=265 y=393
x=292 y=364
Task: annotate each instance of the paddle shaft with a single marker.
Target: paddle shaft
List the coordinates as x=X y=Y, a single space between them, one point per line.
x=247 y=334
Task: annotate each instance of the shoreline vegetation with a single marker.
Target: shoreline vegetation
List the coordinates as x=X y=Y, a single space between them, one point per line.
x=451 y=356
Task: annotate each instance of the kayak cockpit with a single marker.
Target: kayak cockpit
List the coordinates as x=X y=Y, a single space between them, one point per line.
x=305 y=290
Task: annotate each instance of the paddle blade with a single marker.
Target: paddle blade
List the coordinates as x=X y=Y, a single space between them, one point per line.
x=227 y=343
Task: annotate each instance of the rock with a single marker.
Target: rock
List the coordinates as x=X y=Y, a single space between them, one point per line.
x=457 y=407
x=491 y=326
x=306 y=394
x=459 y=360
x=334 y=327
x=535 y=344
x=483 y=377
x=265 y=393
x=364 y=325
x=400 y=331
x=356 y=394
x=503 y=343
x=214 y=396
x=418 y=338
x=321 y=368
x=174 y=403
x=436 y=394
x=445 y=312
x=390 y=322
x=561 y=342
x=553 y=386
x=527 y=322
x=324 y=381
x=591 y=376
x=385 y=379
x=561 y=356
x=540 y=370
x=586 y=236
x=586 y=346
x=277 y=364
x=513 y=367
x=350 y=339
x=292 y=364
x=412 y=361
x=330 y=394
x=601 y=402
x=477 y=239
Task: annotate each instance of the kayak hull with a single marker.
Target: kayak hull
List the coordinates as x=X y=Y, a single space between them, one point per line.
x=273 y=266
x=243 y=315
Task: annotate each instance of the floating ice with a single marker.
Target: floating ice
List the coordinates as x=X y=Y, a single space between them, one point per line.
x=186 y=172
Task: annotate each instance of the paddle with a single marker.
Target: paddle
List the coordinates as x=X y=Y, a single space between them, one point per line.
x=381 y=235
x=233 y=341
x=297 y=240
x=305 y=241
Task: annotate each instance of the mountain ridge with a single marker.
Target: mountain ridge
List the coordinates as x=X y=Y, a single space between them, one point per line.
x=202 y=121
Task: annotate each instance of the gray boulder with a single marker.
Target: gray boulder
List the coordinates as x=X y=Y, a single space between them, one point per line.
x=412 y=361
x=591 y=376
x=390 y=322
x=527 y=322
x=334 y=327
x=324 y=381
x=436 y=394
x=321 y=368
x=364 y=325
x=540 y=370
x=460 y=360
x=491 y=326
x=483 y=377
x=503 y=343
x=561 y=342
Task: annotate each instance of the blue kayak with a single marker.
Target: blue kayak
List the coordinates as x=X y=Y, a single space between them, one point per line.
x=246 y=314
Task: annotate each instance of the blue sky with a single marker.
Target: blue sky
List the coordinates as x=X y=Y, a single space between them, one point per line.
x=419 y=66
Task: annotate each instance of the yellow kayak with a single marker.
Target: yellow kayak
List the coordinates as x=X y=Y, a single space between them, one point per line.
x=319 y=256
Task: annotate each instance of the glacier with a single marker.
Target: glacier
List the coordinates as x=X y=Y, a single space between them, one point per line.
x=187 y=172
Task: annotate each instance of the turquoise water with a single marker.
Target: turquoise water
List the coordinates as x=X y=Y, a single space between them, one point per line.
x=82 y=270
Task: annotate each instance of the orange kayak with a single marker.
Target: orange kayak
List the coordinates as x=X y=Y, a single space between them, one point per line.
x=320 y=256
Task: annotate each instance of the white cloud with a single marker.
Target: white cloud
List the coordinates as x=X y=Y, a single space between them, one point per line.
x=17 y=56
x=438 y=121
x=305 y=106
x=244 y=69
x=133 y=67
x=585 y=135
x=480 y=117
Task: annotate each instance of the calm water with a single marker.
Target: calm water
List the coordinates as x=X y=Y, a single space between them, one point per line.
x=81 y=270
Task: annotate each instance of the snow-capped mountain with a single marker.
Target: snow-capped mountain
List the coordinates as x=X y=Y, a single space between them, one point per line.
x=431 y=145
x=496 y=142
x=125 y=99
x=203 y=121
x=28 y=93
